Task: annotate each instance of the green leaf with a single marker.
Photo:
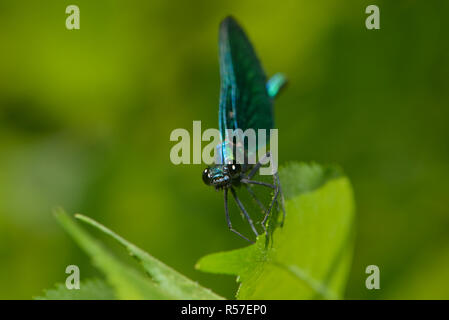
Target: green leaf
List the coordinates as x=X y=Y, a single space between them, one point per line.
x=310 y=256
x=127 y=282
x=94 y=289
x=165 y=283
x=169 y=280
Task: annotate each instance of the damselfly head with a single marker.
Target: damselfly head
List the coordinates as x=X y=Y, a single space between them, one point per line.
x=221 y=176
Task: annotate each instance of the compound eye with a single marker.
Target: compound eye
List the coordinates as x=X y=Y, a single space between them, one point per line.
x=206 y=178
x=234 y=168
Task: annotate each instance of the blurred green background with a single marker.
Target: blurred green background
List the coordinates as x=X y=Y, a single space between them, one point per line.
x=86 y=115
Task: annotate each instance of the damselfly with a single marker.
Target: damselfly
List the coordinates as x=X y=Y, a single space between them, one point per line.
x=246 y=102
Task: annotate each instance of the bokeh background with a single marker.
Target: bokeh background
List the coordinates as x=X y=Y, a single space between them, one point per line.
x=86 y=115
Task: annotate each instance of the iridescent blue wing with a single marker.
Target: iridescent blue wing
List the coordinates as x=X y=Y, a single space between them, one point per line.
x=244 y=99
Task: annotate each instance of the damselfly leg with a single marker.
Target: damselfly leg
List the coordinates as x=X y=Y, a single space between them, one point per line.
x=228 y=219
x=276 y=186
